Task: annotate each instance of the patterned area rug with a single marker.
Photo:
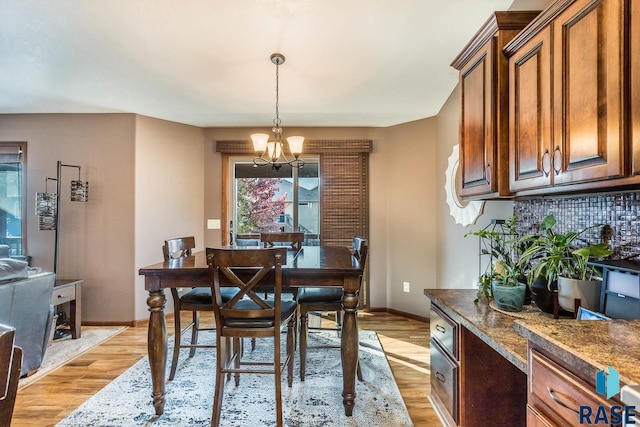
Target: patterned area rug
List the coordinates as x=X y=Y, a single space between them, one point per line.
x=64 y=350
x=315 y=402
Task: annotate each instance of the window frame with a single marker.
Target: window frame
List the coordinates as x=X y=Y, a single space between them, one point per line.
x=22 y=147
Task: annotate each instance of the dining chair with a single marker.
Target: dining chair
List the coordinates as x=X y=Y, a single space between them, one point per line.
x=194 y=300
x=325 y=299
x=248 y=315
x=10 y=364
x=293 y=239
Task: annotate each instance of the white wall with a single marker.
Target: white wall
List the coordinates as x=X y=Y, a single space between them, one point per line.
x=169 y=194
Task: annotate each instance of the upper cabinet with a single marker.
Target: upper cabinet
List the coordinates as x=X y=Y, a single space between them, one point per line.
x=634 y=86
x=483 y=127
x=567 y=99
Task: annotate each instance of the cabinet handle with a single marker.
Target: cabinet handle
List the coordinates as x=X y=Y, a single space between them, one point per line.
x=559 y=160
x=440 y=377
x=487 y=174
x=548 y=161
x=440 y=328
x=560 y=402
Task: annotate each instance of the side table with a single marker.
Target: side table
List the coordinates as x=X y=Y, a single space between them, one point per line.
x=70 y=290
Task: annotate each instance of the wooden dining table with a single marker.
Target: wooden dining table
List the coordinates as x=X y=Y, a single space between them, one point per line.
x=312 y=266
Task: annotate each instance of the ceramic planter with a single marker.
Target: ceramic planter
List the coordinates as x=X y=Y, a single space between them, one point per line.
x=508 y=298
x=588 y=291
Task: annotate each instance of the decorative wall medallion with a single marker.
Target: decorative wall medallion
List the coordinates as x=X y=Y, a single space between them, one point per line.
x=464 y=212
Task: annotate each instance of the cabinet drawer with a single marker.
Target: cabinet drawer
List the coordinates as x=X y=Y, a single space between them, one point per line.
x=536 y=419
x=444 y=379
x=558 y=394
x=63 y=294
x=445 y=331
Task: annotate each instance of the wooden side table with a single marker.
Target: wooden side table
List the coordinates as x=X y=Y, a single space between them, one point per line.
x=70 y=290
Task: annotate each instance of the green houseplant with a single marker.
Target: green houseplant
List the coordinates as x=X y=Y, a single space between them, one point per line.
x=558 y=256
x=504 y=271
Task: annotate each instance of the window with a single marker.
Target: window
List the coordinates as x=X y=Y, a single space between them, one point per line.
x=12 y=224
x=274 y=200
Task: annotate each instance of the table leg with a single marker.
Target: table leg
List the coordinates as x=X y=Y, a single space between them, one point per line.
x=157 y=347
x=349 y=351
x=75 y=312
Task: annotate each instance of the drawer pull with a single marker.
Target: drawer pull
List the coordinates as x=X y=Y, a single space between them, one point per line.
x=60 y=296
x=441 y=329
x=560 y=402
x=440 y=377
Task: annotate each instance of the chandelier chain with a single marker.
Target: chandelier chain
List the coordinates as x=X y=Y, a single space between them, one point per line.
x=277 y=120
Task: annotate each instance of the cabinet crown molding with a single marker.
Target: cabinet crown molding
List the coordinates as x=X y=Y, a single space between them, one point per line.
x=501 y=20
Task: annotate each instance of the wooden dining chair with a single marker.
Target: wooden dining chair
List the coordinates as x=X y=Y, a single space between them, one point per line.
x=293 y=239
x=10 y=364
x=248 y=315
x=325 y=299
x=195 y=301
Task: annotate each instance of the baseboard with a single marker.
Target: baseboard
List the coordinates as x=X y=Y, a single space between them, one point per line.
x=92 y=323
x=398 y=312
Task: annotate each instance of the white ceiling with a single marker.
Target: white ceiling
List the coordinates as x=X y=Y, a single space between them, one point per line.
x=206 y=62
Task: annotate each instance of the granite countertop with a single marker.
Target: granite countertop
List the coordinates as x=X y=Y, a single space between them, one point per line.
x=589 y=346
x=586 y=345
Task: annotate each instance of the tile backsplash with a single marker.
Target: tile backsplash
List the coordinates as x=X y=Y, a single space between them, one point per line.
x=616 y=215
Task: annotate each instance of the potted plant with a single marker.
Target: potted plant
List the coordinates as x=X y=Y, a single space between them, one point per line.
x=561 y=261
x=504 y=280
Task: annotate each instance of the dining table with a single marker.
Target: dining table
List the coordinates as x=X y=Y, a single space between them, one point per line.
x=311 y=266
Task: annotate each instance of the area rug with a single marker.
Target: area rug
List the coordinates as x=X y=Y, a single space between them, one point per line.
x=64 y=350
x=315 y=402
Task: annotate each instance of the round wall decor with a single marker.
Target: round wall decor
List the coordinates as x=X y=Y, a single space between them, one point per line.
x=464 y=212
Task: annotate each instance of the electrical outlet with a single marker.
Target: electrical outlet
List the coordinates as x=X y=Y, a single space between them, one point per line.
x=406 y=286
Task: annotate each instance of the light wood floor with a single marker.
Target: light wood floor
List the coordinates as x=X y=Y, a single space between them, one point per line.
x=53 y=397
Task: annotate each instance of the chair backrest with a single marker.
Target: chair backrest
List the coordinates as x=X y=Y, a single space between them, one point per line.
x=244 y=269
x=294 y=239
x=179 y=247
x=360 y=250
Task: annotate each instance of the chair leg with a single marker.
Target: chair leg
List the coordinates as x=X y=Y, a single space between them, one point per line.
x=176 y=344
x=359 y=371
x=237 y=354
x=194 y=332
x=303 y=342
x=278 y=378
x=221 y=362
x=291 y=350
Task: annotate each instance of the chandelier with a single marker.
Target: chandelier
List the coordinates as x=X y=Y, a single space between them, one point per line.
x=272 y=152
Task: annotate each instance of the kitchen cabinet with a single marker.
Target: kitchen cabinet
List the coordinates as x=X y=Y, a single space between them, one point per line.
x=556 y=393
x=634 y=86
x=483 y=127
x=443 y=353
x=567 y=100
x=530 y=114
x=471 y=384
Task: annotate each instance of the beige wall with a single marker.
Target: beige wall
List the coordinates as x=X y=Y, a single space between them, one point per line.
x=457 y=256
x=402 y=230
x=97 y=237
x=151 y=179
x=169 y=194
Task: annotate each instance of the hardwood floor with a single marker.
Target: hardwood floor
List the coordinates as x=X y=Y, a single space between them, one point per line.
x=53 y=397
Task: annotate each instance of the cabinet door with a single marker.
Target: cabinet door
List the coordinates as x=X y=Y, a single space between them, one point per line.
x=477 y=118
x=634 y=76
x=588 y=92
x=530 y=114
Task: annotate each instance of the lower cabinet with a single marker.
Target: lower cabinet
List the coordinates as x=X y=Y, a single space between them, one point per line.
x=556 y=395
x=471 y=383
x=444 y=384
